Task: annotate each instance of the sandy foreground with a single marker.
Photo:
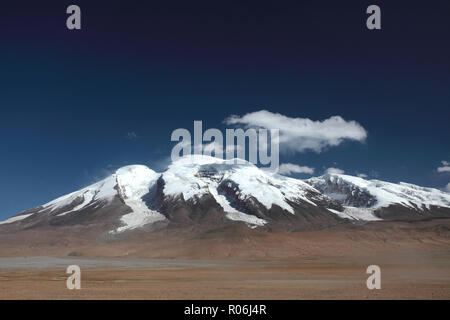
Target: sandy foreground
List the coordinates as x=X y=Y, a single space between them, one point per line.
x=341 y=278
x=330 y=264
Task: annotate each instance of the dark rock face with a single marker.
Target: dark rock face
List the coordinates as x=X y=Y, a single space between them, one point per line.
x=306 y=216
x=204 y=210
x=179 y=211
x=347 y=194
x=397 y=212
x=248 y=205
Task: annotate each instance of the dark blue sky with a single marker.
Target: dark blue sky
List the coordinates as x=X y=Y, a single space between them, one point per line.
x=69 y=98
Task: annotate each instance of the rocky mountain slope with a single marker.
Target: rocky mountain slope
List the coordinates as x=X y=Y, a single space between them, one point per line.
x=207 y=191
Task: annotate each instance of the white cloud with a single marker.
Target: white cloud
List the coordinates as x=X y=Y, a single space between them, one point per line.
x=290 y=168
x=445 y=166
x=334 y=171
x=447 y=187
x=302 y=134
x=363 y=175
x=132 y=135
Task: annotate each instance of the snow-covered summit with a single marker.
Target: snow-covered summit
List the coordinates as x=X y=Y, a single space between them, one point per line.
x=195 y=176
x=201 y=187
x=375 y=194
x=129 y=183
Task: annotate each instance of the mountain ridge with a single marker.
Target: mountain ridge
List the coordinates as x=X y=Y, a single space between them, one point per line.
x=206 y=190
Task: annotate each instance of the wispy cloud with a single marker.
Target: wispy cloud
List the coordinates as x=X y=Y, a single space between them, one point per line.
x=445 y=166
x=303 y=134
x=132 y=135
x=290 y=168
x=362 y=175
x=334 y=171
x=448 y=187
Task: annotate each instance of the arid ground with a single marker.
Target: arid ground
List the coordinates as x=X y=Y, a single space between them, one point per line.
x=234 y=264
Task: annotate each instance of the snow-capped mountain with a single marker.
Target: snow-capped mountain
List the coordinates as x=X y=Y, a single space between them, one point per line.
x=374 y=199
x=206 y=190
x=243 y=191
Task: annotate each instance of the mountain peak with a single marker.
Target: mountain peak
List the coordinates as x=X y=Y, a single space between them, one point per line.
x=377 y=194
x=204 y=189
